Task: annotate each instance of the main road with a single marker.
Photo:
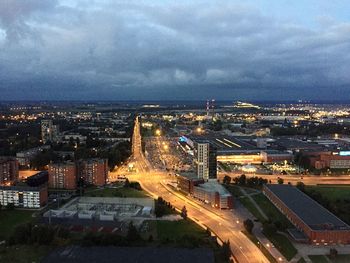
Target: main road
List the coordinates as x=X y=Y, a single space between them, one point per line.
x=225 y=224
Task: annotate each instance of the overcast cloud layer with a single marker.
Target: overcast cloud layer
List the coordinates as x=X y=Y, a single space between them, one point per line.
x=174 y=49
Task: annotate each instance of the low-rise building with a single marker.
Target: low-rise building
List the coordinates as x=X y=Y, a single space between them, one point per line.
x=214 y=194
x=274 y=156
x=186 y=182
x=210 y=192
x=24 y=196
x=24 y=157
x=38 y=179
x=318 y=224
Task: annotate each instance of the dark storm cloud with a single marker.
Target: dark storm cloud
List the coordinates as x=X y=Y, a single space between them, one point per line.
x=86 y=49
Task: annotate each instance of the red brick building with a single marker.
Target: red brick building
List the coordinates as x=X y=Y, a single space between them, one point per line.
x=210 y=192
x=8 y=170
x=317 y=223
x=93 y=171
x=186 y=184
x=63 y=175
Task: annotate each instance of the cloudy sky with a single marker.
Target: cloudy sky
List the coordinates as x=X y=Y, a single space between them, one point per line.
x=120 y=50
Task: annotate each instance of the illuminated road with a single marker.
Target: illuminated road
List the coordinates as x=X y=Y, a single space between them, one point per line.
x=224 y=224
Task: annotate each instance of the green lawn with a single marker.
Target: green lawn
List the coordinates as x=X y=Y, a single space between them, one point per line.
x=177 y=229
x=340 y=259
x=318 y=259
x=283 y=244
x=336 y=198
x=234 y=190
x=332 y=193
x=252 y=209
x=23 y=253
x=271 y=211
x=116 y=192
x=11 y=218
x=301 y=260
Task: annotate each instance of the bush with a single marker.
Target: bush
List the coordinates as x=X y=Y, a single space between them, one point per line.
x=269 y=228
x=248 y=225
x=133 y=234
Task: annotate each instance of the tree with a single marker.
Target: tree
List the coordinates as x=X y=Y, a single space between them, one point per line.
x=242 y=180
x=226 y=250
x=333 y=253
x=133 y=234
x=208 y=232
x=21 y=234
x=126 y=183
x=248 y=225
x=301 y=186
x=10 y=206
x=280 y=180
x=184 y=213
x=227 y=179
x=160 y=207
x=42 y=235
x=269 y=228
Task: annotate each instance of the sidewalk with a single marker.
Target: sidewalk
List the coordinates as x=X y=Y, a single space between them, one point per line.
x=257 y=231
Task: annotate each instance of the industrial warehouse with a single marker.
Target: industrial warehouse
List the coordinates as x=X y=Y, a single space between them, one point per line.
x=240 y=149
x=318 y=224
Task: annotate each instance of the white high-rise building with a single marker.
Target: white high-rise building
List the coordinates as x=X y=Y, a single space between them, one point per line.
x=205 y=160
x=49 y=132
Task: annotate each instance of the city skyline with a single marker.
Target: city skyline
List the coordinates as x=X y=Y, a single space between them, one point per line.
x=132 y=50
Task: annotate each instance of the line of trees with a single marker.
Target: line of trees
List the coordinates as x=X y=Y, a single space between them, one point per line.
x=163 y=207
x=243 y=180
x=38 y=234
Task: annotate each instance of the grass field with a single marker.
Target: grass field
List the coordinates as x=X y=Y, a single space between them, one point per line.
x=283 y=244
x=23 y=253
x=271 y=211
x=11 y=218
x=116 y=192
x=335 y=198
x=177 y=229
x=332 y=193
x=234 y=190
x=340 y=259
x=318 y=259
x=252 y=209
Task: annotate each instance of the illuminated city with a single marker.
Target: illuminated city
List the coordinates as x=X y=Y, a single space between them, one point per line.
x=186 y=131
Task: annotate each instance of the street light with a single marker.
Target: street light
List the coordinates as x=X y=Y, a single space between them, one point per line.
x=158 y=132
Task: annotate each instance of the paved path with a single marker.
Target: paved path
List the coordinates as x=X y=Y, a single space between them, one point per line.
x=254 y=203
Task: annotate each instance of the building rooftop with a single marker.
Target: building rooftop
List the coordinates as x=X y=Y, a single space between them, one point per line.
x=214 y=186
x=225 y=143
x=22 y=188
x=295 y=144
x=308 y=210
